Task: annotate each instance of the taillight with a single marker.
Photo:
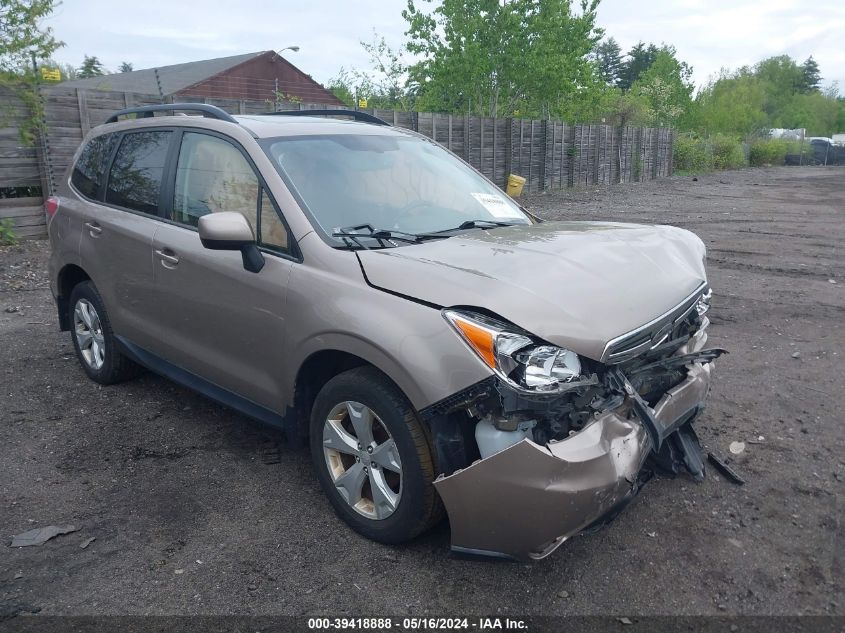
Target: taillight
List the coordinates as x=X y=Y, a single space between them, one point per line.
x=51 y=206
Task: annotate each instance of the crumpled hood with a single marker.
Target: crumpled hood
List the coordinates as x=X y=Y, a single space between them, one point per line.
x=574 y=284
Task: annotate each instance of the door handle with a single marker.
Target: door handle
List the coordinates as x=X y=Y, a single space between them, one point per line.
x=168 y=258
x=94 y=229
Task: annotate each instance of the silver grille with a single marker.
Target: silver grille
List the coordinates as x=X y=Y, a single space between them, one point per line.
x=654 y=332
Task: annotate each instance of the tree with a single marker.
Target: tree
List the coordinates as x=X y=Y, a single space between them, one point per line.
x=383 y=85
x=342 y=87
x=493 y=58
x=733 y=104
x=125 y=67
x=627 y=108
x=667 y=88
x=91 y=67
x=608 y=57
x=812 y=78
x=640 y=58
x=387 y=85
x=21 y=35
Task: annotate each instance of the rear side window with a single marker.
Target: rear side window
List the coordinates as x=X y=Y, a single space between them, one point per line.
x=135 y=176
x=87 y=174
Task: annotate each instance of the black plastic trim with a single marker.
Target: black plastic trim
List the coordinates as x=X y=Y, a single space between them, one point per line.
x=201 y=385
x=355 y=114
x=460 y=399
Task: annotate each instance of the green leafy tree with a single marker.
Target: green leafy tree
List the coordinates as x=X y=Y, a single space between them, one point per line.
x=560 y=80
x=732 y=104
x=342 y=86
x=628 y=108
x=782 y=79
x=91 y=67
x=495 y=58
x=608 y=57
x=666 y=87
x=125 y=67
x=383 y=85
x=386 y=85
x=22 y=36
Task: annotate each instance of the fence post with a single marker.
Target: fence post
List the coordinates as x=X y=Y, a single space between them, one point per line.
x=481 y=144
x=530 y=153
x=466 y=138
x=670 y=160
x=544 y=130
x=82 y=105
x=493 y=174
x=597 y=151
x=449 y=144
x=655 y=151
x=508 y=150
x=42 y=153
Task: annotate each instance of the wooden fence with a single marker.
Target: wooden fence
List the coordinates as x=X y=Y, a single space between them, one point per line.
x=548 y=154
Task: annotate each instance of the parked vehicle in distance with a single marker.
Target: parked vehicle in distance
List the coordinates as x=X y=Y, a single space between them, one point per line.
x=436 y=345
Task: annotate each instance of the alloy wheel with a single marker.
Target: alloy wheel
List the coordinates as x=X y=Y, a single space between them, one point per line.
x=363 y=460
x=89 y=334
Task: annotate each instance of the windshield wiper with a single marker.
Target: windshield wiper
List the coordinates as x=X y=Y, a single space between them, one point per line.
x=476 y=224
x=356 y=233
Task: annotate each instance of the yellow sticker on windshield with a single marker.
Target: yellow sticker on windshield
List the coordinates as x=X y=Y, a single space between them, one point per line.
x=497 y=205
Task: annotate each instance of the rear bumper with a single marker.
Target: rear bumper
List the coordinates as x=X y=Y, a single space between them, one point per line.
x=526 y=500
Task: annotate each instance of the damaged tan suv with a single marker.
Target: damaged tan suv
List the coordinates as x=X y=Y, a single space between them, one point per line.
x=368 y=292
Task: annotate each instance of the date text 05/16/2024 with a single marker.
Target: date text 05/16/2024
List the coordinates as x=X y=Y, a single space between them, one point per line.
x=418 y=624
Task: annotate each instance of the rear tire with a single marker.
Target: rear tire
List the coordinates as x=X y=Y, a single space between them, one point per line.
x=386 y=499
x=93 y=338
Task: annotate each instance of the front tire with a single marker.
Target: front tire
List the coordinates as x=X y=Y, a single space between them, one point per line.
x=93 y=338
x=372 y=457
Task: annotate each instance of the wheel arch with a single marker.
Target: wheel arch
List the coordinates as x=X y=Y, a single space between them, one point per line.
x=321 y=365
x=69 y=277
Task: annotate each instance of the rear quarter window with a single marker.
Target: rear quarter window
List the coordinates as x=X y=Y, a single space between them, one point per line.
x=88 y=172
x=135 y=176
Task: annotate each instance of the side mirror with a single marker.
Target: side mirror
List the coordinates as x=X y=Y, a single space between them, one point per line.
x=230 y=231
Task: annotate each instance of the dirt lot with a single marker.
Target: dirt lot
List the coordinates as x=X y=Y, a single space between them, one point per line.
x=191 y=516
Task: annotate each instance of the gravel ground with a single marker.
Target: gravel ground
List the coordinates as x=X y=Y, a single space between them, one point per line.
x=197 y=510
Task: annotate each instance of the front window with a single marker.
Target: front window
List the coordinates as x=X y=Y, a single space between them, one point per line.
x=212 y=175
x=394 y=183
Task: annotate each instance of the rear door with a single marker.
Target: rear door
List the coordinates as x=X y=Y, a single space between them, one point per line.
x=213 y=318
x=118 y=230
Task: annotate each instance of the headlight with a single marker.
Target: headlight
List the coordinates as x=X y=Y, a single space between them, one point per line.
x=703 y=304
x=515 y=357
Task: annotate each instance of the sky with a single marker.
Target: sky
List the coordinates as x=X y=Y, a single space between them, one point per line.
x=708 y=34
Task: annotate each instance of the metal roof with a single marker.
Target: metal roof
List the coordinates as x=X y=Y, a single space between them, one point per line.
x=173 y=78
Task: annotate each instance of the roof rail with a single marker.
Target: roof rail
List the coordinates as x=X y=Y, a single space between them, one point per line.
x=355 y=114
x=210 y=111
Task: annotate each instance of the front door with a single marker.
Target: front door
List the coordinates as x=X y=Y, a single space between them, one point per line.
x=215 y=319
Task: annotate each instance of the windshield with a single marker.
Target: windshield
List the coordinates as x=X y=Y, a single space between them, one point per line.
x=393 y=183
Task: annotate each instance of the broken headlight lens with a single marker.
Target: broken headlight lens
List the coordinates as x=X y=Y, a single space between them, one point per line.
x=517 y=358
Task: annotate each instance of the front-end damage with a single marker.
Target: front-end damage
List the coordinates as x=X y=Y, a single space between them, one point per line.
x=590 y=447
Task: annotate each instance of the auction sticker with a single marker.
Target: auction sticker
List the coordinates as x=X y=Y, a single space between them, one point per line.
x=496 y=205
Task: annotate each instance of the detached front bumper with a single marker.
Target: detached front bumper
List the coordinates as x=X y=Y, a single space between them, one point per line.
x=526 y=500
